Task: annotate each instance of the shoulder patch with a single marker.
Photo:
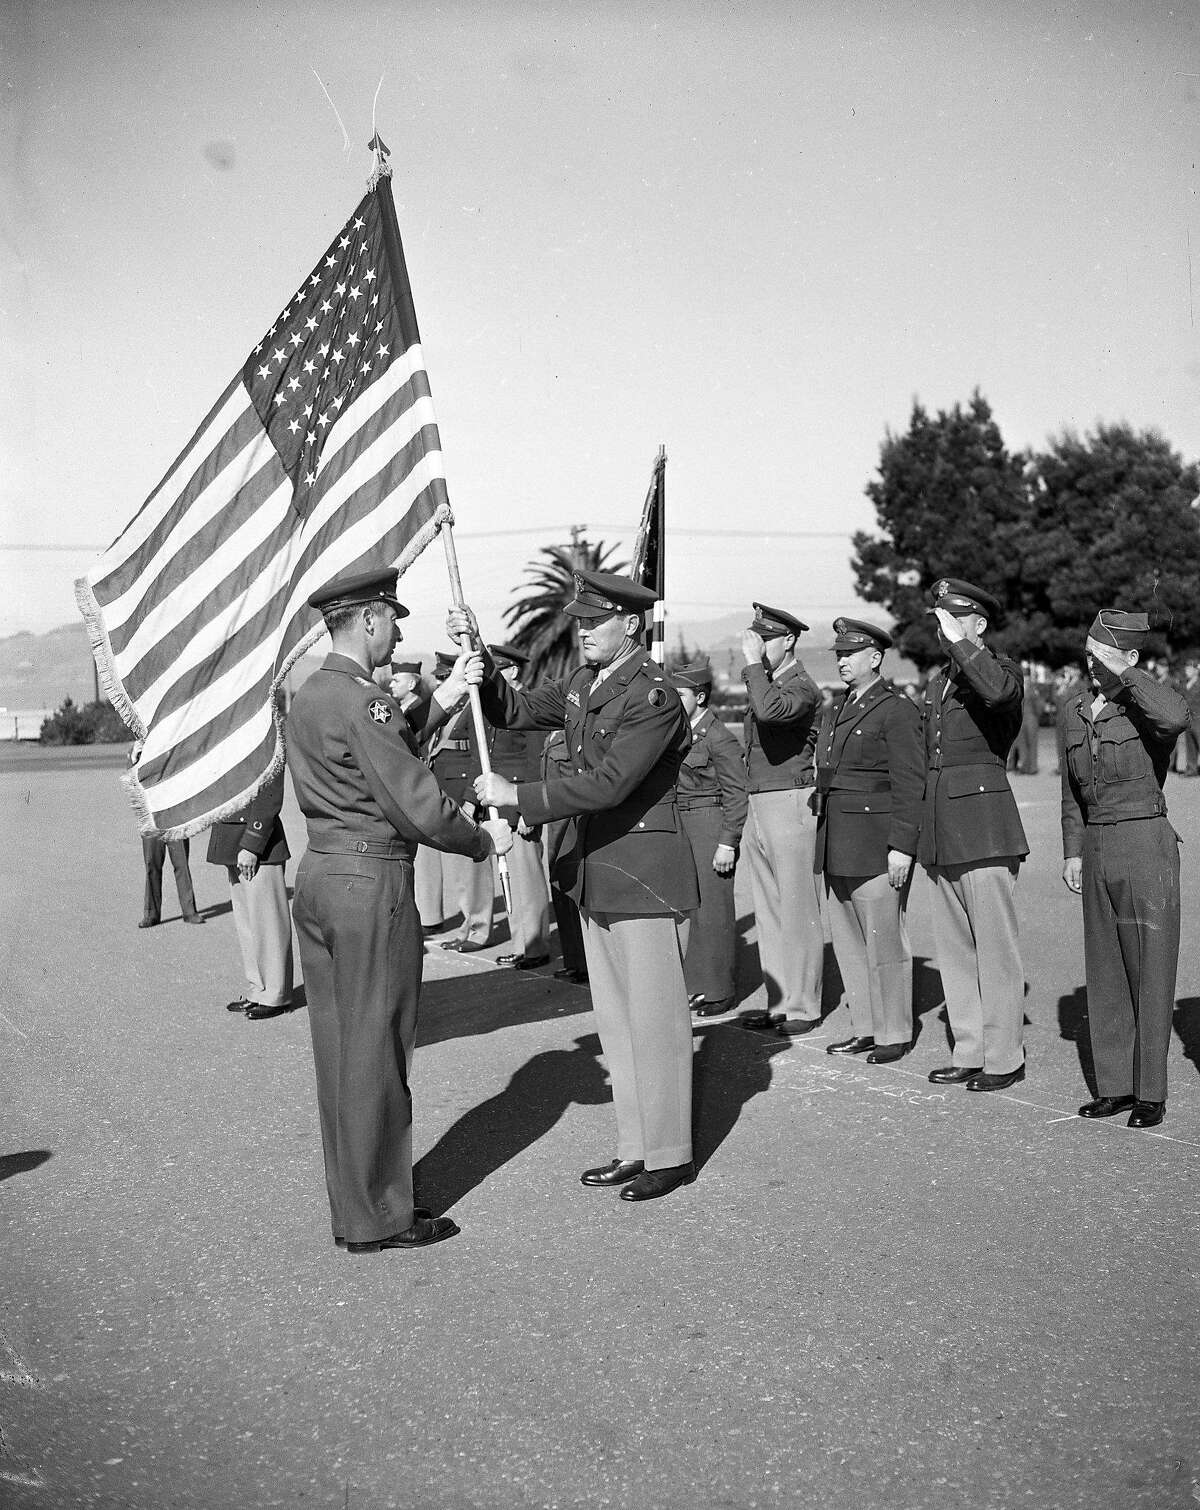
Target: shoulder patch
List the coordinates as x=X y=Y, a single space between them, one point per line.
x=657 y=697
x=380 y=711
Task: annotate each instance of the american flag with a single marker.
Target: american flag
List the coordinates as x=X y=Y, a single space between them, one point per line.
x=322 y=455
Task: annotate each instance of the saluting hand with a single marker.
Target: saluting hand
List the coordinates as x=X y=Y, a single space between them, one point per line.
x=899 y=866
x=752 y=646
x=724 y=859
x=951 y=629
x=494 y=790
x=500 y=834
x=1073 y=874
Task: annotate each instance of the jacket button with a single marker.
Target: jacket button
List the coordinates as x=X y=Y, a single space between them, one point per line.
x=867 y=809
x=981 y=789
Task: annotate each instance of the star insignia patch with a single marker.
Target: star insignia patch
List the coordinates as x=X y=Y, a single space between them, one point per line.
x=657 y=697
x=380 y=712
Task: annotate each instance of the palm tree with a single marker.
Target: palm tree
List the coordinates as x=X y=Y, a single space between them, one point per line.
x=536 y=622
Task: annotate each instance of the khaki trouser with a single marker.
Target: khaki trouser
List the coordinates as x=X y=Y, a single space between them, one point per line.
x=778 y=847
x=529 y=924
x=979 y=958
x=710 y=943
x=264 y=930
x=636 y=974
x=869 y=927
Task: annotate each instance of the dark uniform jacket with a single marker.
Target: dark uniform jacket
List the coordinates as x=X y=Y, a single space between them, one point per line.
x=452 y=751
x=870 y=780
x=1116 y=762
x=257 y=828
x=627 y=739
x=360 y=784
x=781 y=728
x=972 y=715
x=713 y=775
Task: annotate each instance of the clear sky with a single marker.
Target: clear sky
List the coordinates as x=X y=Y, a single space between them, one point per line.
x=752 y=232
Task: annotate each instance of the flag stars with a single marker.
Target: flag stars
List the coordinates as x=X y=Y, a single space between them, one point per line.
x=293 y=425
x=369 y=275
x=311 y=436
x=338 y=356
x=264 y=372
x=344 y=242
x=352 y=339
x=339 y=289
x=356 y=292
x=383 y=351
x=326 y=306
x=359 y=223
x=310 y=478
x=310 y=368
x=311 y=323
x=331 y=261
x=323 y=420
x=324 y=348
x=279 y=355
x=296 y=339
x=294 y=384
x=279 y=399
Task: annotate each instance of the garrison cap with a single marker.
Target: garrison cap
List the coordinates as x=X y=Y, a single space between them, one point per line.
x=1124 y=631
x=400 y=666
x=770 y=623
x=858 y=634
x=507 y=655
x=698 y=677
x=959 y=597
x=604 y=592
x=352 y=588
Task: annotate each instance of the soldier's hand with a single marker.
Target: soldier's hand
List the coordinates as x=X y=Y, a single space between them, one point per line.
x=498 y=831
x=899 y=866
x=724 y=859
x=467 y=671
x=526 y=830
x=460 y=621
x=951 y=629
x=1073 y=874
x=495 y=791
x=247 y=864
x=752 y=646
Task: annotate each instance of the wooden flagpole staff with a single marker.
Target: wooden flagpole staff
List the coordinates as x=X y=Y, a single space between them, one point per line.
x=481 y=740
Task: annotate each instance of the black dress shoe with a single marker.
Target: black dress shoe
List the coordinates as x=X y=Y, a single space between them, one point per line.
x=652 y=1183
x=985 y=1082
x=461 y=946
x=796 y=1027
x=576 y=977
x=760 y=1022
x=149 y=923
x=256 y=1011
x=1106 y=1106
x=619 y=1172
x=425 y=1230
x=420 y=1213
x=193 y=917
x=237 y=1006
x=1147 y=1113
x=530 y=961
x=851 y=1046
x=953 y=1074
x=696 y=999
x=714 y=1008
x=888 y=1053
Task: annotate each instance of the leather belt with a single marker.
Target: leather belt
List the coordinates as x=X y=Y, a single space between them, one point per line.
x=381 y=849
x=687 y=804
x=459 y=746
x=940 y=763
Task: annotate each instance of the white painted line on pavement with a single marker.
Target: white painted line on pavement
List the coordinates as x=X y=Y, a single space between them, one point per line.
x=18 y=1031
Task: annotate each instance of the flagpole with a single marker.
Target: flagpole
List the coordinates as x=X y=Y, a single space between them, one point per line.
x=481 y=740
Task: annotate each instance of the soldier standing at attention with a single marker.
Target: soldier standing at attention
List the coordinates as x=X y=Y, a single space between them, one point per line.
x=629 y=866
x=870 y=776
x=780 y=735
x=972 y=842
x=712 y=802
x=368 y=801
x=1123 y=856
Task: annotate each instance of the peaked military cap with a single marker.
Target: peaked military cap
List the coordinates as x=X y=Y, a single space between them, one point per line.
x=770 y=623
x=698 y=677
x=352 y=588
x=413 y=666
x=858 y=634
x=443 y=664
x=959 y=597
x=1124 y=631
x=603 y=592
x=507 y=655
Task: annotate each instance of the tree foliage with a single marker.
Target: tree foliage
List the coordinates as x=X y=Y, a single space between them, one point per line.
x=1092 y=522
x=93 y=724
x=537 y=623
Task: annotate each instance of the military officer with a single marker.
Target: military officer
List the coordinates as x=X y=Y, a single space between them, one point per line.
x=629 y=866
x=556 y=762
x=870 y=779
x=972 y=842
x=368 y=801
x=779 y=740
x=1123 y=856
x=516 y=753
x=252 y=847
x=712 y=803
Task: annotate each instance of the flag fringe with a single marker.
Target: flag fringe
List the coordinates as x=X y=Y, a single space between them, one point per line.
x=111 y=682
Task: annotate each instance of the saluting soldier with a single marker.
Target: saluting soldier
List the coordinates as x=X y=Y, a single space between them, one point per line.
x=972 y=842
x=1123 y=856
x=870 y=781
x=516 y=753
x=629 y=866
x=368 y=801
x=779 y=740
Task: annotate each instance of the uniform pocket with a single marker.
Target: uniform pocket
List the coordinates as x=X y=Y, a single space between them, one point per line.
x=971 y=781
x=1123 y=756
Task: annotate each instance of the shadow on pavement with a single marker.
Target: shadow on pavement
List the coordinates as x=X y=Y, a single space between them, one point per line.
x=1187 y=1025
x=22 y=1163
x=484 y=1139
x=460 y=1006
x=1073 y=1026
x=731 y=1068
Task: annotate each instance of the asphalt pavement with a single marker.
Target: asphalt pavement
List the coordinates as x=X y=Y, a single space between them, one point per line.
x=880 y=1294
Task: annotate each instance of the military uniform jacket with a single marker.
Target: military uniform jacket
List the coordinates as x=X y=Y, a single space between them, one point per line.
x=452 y=751
x=781 y=728
x=257 y=828
x=870 y=781
x=972 y=715
x=713 y=775
x=627 y=738
x=1116 y=761
x=361 y=786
